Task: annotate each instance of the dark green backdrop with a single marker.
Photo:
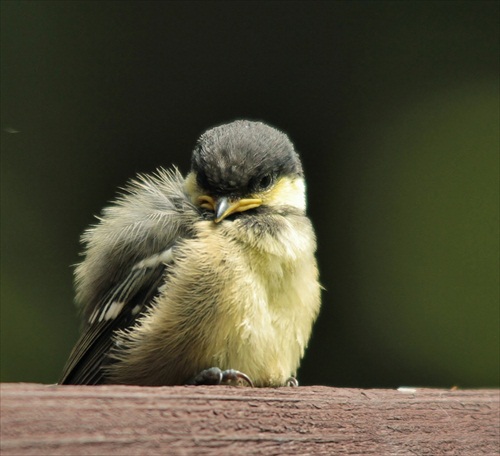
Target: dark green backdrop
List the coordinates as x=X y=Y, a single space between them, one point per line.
x=394 y=107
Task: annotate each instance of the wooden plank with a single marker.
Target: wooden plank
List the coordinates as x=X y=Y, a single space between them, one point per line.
x=130 y=420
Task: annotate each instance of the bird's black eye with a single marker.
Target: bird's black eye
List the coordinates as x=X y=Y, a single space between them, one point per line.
x=265 y=182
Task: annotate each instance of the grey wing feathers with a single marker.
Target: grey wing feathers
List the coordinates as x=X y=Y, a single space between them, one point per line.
x=126 y=256
x=88 y=360
x=149 y=218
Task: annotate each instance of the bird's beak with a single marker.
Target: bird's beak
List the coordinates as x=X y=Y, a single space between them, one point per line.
x=224 y=207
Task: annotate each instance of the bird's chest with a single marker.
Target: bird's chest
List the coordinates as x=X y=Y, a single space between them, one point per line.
x=268 y=339
x=270 y=278
x=259 y=277
x=264 y=300
x=256 y=290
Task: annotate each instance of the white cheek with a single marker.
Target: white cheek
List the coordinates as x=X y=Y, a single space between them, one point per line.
x=291 y=193
x=299 y=193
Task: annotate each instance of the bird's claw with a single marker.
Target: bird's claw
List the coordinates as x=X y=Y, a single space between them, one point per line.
x=215 y=376
x=292 y=381
x=232 y=375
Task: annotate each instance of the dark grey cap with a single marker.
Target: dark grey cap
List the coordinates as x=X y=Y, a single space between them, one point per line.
x=242 y=157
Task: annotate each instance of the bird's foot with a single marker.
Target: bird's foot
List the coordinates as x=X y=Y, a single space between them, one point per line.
x=215 y=376
x=292 y=381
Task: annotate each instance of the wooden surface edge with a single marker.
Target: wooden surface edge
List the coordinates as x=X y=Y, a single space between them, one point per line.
x=130 y=420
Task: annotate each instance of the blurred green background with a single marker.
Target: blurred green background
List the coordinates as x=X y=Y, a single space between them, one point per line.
x=394 y=107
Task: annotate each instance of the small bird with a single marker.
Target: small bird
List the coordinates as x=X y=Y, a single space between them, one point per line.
x=208 y=279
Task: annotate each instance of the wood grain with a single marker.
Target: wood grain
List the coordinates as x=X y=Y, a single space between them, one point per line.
x=130 y=420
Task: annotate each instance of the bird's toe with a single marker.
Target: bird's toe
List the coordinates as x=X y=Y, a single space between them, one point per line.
x=215 y=376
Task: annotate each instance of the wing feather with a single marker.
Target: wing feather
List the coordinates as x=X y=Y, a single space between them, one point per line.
x=87 y=362
x=126 y=257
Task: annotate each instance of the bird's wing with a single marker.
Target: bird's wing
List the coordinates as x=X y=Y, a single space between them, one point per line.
x=127 y=255
x=118 y=309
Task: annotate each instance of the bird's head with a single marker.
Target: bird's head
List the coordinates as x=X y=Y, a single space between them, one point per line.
x=244 y=165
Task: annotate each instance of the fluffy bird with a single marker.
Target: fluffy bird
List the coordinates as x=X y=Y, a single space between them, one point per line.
x=207 y=279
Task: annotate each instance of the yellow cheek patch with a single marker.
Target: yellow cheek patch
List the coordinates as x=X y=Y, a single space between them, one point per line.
x=191 y=188
x=286 y=192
